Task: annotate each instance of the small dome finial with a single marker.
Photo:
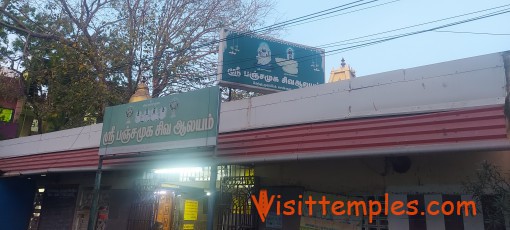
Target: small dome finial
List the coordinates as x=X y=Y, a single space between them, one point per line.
x=141 y=92
x=343 y=62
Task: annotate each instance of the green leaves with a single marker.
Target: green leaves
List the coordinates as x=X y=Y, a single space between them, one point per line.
x=79 y=59
x=491 y=187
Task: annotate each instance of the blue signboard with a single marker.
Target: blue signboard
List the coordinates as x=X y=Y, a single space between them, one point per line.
x=263 y=64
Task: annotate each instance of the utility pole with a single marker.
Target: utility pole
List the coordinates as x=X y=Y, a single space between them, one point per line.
x=95 y=196
x=212 y=196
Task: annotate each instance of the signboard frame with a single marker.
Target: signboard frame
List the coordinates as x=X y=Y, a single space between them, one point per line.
x=166 y=124
x=276 y=79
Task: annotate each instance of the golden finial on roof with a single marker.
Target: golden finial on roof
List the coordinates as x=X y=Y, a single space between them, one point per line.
x=345 y=72
x=141 y=93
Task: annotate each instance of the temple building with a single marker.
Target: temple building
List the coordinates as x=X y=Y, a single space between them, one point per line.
x=417 y=134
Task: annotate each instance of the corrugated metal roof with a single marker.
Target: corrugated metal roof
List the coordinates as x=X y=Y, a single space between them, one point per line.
x=75 y=158
x=452 y=128
x=459 y=84
x=479 y=124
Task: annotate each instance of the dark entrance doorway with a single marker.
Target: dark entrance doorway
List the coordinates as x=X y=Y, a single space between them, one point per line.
x=235 y=209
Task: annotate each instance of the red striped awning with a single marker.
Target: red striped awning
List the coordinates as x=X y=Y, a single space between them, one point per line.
x=482 y=127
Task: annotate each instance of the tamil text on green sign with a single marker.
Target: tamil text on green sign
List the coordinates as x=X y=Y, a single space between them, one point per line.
x=186 y=120
x=264 y=64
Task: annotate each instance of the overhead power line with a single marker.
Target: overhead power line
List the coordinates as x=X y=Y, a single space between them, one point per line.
x=466 y=32
x=290 y=25
x=393 y=37
x=389 y=38
x=412 y=26
x=301 y=19
x=349 y=12
x=386 y=39
x=504 y=11
x=372 y=41
x=282 y=24
x=377 y=40
x=366 y=42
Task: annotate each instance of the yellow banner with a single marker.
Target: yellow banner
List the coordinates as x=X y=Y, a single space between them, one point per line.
x=190 y=210
x=188 y=227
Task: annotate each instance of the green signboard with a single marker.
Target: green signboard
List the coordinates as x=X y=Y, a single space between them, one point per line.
x=187 y=120
x=259 y=63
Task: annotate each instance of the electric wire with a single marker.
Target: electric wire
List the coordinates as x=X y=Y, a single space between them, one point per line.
x=266 y=28
x=341 y=43
x=366 y=42
x=279 y=25
x=378 y=40
x=349 y=48
x=475 y=33
x=412 y=26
